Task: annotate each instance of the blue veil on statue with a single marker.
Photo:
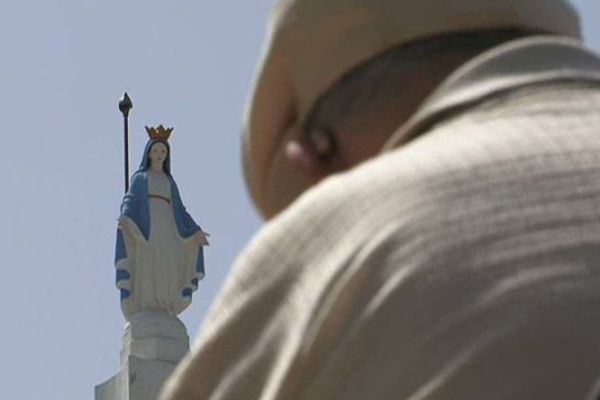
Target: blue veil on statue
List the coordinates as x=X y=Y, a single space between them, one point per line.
x=159 y=258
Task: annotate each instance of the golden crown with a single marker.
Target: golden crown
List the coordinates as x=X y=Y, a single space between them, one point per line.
x=159 y=133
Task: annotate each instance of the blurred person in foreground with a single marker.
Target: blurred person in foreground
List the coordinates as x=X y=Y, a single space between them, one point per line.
x=430 y=173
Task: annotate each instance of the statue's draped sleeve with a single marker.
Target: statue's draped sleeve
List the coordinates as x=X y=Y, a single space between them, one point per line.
x=134 y=210
x=187 y=228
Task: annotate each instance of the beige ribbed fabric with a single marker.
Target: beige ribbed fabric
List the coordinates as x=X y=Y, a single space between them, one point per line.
x=462 y=265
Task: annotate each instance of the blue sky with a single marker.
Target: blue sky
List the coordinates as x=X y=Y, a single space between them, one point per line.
x=65 y=64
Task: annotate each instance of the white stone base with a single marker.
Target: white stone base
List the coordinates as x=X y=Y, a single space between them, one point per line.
x=153 y=344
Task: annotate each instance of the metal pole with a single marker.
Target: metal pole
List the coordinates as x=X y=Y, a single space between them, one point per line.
x=125 y=105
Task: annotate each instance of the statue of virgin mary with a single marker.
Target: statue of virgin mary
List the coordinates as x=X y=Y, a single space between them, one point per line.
x=159 y=257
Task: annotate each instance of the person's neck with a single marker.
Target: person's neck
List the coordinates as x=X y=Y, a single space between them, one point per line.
x=156 y=168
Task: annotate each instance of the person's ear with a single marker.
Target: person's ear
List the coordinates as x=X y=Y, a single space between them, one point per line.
x=316 y=155
x=304 y=157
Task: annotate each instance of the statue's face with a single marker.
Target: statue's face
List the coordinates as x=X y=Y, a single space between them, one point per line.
x=158 y=154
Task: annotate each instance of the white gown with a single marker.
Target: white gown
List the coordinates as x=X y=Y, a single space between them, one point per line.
x=164 y=265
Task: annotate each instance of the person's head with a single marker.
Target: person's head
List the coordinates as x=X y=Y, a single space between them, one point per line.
x=340 y=76
x=353 y=119
x=157 y=155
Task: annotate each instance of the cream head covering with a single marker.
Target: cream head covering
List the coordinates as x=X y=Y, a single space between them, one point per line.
x=312 y=43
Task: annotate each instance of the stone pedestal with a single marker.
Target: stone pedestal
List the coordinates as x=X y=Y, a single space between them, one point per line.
x=153 y=344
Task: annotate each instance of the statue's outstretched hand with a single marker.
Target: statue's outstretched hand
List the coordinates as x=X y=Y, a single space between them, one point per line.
x=203 y=238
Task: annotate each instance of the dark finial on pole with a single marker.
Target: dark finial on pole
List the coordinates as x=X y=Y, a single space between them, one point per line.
x=125 y=105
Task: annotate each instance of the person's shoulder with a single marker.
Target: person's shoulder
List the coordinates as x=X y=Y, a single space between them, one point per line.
x=355 y=203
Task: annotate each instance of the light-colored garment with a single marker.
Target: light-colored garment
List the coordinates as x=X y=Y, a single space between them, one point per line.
x=165 y=263
x=462 y=265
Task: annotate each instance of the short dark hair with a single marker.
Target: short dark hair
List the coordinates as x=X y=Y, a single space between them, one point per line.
x=377 y=75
